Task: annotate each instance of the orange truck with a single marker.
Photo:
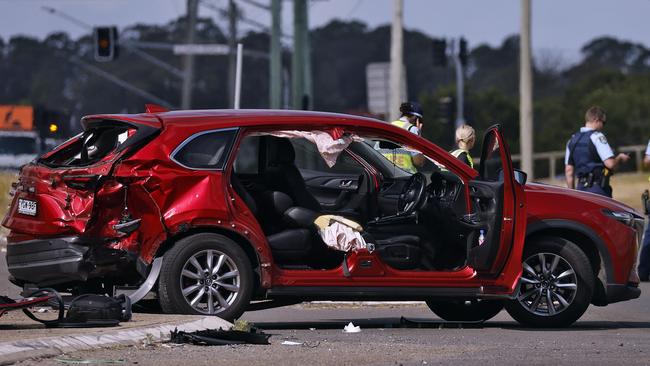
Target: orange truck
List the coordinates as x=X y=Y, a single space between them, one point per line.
x=19 y=143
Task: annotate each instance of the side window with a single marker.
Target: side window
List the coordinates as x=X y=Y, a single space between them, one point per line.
x=247 y=160
x=308 y=158
x=205 y=151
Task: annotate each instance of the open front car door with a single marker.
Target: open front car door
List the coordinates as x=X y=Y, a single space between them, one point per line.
x=497 y=207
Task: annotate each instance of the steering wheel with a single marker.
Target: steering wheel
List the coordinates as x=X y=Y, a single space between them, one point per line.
x=412 y=194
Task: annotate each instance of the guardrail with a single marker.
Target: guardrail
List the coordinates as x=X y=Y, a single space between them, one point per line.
x=550 y=161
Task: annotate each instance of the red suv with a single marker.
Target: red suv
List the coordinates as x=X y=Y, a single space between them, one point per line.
x=214 y=212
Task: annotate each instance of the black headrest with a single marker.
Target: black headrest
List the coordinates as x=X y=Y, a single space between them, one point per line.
x=279 y=201
x=281 y=151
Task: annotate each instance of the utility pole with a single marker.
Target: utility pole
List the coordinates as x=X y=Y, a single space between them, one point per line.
x=232 y=44
x=188 y=62
x=525 y=92
x=275 y=64
x=298 y=57
x=396 y=60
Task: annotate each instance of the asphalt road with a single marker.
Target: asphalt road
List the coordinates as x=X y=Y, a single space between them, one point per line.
x=407 y=334
x=614 y=335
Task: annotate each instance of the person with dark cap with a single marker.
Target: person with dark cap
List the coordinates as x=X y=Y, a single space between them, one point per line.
x=410 y=120
x=589 y=158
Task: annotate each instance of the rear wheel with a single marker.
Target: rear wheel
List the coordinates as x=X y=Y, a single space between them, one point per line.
x=556 y=285
x=206 y=274
x=466 y=310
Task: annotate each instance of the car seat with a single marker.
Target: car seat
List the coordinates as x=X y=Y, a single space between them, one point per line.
x=282 y=175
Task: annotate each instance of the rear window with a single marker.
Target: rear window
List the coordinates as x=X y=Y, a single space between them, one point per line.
x=208 y=150
x=92 y=146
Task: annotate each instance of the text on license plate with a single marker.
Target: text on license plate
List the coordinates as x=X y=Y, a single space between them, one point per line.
x=26 y=207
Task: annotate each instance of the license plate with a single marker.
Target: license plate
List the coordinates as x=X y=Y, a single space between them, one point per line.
x=26 y=207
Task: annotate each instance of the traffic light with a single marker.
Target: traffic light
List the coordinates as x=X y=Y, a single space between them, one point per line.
x=446 y=107
x=106 y=48
x=439 y=52
x=462 y=51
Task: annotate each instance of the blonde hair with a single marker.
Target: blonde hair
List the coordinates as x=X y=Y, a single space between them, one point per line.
x=465 y=133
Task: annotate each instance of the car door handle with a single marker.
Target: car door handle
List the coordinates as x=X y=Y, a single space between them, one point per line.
x=345 y=183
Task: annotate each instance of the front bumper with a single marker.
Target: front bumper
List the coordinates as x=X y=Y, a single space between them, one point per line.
x=47 y=262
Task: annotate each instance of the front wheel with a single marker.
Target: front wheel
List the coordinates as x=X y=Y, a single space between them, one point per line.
x=556 y=285
x=206 y=274
x=475 y=310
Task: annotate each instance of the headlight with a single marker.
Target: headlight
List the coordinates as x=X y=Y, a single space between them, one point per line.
x=628 y=218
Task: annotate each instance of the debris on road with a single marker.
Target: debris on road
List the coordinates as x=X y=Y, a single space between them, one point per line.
x=351 y=328
x=291 y=343
x=78 y=361
x=212 y=337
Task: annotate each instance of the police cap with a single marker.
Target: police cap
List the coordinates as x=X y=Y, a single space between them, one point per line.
x=411 y=109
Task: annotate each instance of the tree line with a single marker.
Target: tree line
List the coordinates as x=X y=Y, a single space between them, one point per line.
x=612 y=73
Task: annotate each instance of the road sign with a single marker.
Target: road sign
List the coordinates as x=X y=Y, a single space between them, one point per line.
x=201 y=49
x=378 y=91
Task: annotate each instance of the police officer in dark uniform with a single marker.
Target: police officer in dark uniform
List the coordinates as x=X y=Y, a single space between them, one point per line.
x=589 y=160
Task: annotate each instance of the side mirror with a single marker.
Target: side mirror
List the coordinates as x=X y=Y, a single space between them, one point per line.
x=520 y=176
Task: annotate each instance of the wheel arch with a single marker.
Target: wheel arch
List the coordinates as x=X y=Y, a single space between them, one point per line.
x=244 y=243
x=588 y=241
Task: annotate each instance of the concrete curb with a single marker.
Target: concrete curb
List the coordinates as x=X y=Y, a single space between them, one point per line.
x=12 y=352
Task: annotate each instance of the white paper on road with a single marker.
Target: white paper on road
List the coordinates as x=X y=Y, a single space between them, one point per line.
x=351 y=328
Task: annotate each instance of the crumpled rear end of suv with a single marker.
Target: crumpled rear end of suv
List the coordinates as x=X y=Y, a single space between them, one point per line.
x=72 y=218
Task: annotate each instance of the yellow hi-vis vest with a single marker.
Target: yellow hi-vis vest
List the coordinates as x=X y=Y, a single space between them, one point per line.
x=401 y=157
x=456 y=153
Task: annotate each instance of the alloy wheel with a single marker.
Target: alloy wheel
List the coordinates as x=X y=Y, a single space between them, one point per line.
x=210 y=281
x=548 y=284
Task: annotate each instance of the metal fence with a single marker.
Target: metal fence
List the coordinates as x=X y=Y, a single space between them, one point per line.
x=547 y=163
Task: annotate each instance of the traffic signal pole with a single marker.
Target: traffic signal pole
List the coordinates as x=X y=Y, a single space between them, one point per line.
x=188 y=61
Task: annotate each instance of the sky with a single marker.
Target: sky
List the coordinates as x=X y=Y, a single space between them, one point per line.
x=559 y=27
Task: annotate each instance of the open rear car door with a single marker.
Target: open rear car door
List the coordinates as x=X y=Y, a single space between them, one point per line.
x=495 y=196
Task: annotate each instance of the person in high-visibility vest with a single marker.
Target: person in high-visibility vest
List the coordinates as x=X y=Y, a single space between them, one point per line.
x=411 y=120
x=465 y=139
x=644 y=258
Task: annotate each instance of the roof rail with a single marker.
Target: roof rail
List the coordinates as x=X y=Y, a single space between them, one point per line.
x=154 y=108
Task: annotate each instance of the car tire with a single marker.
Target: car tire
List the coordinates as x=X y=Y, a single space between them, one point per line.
x=567 y=282
x=476 y=310
x=206 y=274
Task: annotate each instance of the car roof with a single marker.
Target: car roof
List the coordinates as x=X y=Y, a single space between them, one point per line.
x=232 y=117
